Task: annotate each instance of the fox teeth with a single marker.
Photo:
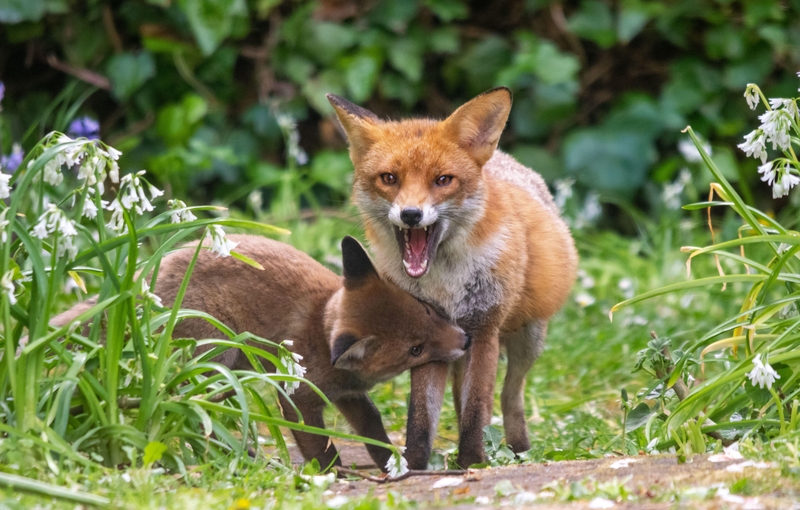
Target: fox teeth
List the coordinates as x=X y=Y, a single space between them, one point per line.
x=425 y=228
x=405 y=233
x=424 y=264
x=408 y=265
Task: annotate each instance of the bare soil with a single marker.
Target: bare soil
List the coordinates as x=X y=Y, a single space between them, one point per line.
x=654 y=481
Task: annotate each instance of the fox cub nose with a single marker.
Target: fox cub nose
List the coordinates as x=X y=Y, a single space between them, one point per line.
x=411 y=216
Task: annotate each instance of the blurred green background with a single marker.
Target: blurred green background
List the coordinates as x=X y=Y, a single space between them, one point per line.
x=193 y=90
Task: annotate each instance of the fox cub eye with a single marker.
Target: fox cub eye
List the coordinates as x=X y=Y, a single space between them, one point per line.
x=388 y=178
x=444 y=180
x=416 y=350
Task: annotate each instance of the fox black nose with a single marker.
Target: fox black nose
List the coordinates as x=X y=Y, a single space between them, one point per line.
x=411 y=216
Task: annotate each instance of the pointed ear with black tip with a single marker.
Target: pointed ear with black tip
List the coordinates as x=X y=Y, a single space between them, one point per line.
x=348 y=352
x=477 y=125
x=357 y=267
x=357 y=122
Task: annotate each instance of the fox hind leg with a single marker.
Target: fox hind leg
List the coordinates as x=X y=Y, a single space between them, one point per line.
x=523 y=347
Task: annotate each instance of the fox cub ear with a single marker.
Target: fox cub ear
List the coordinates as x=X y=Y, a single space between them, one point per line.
x=477 y=125
x=348 y=352
x=356 y=264
x=356 y=122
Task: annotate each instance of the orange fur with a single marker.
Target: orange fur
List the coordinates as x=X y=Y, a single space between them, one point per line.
x=497 y=257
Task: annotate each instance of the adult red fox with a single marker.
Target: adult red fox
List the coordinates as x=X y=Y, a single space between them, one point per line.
x=352 y=331
x=467 y=228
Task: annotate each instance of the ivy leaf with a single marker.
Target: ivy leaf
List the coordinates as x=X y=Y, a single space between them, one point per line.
x=448 y=10
x=405 y=55
x=594 y=22
x=362 y=75
x=212 y=20
x=129 y=71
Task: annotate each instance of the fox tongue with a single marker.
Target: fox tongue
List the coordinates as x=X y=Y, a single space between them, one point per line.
x=415 y=256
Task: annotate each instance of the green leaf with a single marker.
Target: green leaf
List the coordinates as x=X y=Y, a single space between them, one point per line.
x=212 y=20
x=393 y=14
x=129 y=71
x=176 y=123
x=638 y=417
x=247 y=260
x=17 y=11
x=153 y=452
x=334 y=170
x=554 y=66
x=630 y=22
x=405 y=55
x=609 y=160
x=594 y=22
x=362 y=75
x=448 y=10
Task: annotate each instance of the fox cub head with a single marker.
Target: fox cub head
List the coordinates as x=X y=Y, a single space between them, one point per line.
x=416 y=179
x=381 y=331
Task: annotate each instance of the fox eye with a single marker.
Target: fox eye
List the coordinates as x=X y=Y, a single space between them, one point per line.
x=416 y=350
x=444 y=180
x=388 y=178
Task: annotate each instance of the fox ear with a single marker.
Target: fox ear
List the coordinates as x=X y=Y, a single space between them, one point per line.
x=356 y=122
x=348 y=352
x=477 y=125
x=356 y=264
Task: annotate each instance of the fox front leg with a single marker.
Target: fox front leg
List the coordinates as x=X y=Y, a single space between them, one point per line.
x=477 y=395
x=425 y=403
x=312 y=446
x=365 y=419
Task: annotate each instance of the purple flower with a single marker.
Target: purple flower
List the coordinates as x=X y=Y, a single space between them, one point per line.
x=84 y=127
x=12 y=161
x=2 y=93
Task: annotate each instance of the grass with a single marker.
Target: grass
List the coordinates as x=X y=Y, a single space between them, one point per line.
x=600 y=388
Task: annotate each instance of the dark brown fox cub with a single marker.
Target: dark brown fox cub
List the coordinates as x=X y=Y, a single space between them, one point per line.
x=352 y=331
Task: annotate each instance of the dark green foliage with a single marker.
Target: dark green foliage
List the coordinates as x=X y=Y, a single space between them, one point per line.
x=191 y=88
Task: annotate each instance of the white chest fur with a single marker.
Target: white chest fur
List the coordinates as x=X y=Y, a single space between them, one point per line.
x=461 y=280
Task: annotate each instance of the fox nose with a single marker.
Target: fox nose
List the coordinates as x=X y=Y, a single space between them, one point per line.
x=411 y=216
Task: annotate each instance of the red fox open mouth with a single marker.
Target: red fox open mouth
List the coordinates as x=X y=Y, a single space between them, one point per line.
x=417 y=247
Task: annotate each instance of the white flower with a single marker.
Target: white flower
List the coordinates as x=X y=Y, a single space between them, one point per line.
x=754 y=145
x=3 y=224
x=154 y=192
x=40 y=230
x=117 y=221
x=66 y=246
x=113 y=172
x=775 y=125
x=762 y=374
x=5 y=189
x=52 y=172
x=672 y=194
x=180 y=212
x=291 y=365
x=89 y=209
x=788 y=105
x=789 y=181
x=7 y=283
x=113 y=153
x=220 y=244
x=751 y=96
x=768 y=173
x=397 y=465
x=584 y=299
x=563 y=191
x=146 y=294
x=689 y=151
